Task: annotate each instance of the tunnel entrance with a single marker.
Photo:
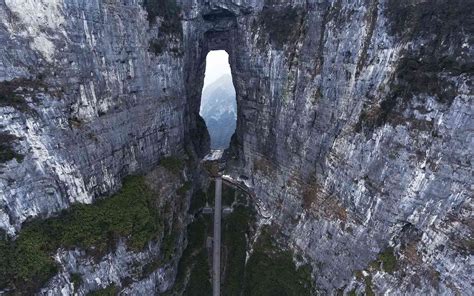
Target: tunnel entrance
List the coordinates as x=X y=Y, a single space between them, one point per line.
x=218 y=99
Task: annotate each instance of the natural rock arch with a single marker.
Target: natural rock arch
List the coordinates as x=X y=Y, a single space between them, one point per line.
x=217 y=31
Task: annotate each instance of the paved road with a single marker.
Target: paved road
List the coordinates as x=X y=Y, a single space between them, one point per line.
x=212 y=160
x=216 y=256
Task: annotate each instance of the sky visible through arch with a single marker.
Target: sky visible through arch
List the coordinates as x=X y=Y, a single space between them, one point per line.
x=218 y=102
x=217 y=64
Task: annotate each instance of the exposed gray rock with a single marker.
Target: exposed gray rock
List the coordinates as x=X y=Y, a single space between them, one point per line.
x=354 y=121
x=345 y=141
x=111 y=107
x=113 y=269
x=133 y=273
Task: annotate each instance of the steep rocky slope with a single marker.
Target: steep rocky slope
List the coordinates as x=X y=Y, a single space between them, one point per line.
x=354 y=130
x=94 y=101
x=354 y=122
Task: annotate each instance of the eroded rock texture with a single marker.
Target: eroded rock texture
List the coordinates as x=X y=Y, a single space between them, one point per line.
x=354 y=120
x=354 y=130
x=100 y=100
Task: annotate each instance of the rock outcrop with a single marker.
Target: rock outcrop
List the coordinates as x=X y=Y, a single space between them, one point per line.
x=354 y=122
x=354 y=131
x=99 y=101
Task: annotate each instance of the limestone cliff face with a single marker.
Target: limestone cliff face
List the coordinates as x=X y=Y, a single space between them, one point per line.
x=354 y=121
x=100 y=99
x=354 y=131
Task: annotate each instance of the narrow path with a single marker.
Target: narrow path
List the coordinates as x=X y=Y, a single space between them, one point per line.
x=216 y=258
x=236 y=185
x=215 y=167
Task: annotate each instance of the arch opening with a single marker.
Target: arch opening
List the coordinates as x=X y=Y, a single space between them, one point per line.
x=218 y=99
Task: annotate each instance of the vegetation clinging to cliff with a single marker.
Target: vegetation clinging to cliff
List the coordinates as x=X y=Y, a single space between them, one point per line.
x=271 y=271
x=386 y=260
x=108 y=291
x=280 y=24
x=424 y=18
x=168 y=11
x=11 y=92
x=170 y=27
x=193 y=276
x=6 y=148
x=172 y=164
x=432 y=66
x=129 y=214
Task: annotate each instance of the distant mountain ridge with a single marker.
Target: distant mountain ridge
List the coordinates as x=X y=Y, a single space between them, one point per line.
x=219 y=110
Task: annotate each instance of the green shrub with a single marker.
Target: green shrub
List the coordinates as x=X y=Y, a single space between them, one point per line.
x=199 y=283
x=168 y=245
x=9 y=95
x=5 y=257
x=173 y=164
x=420 y=74
x=6 y=148
x=185 y=188
x=111 y=290
x=150 y=267
x=440 y=26
x=211 y=193
x=76 y=279
x=13 y=92
x=271 y=271
x=228 y=195
x=280 y=24
x=368 y=286
x=388 y=260
x=198 y=201
x=440 y=17
x=236 y=227
x=170 y=26
x=169 y=11
x=157 y=46
x=194 y=276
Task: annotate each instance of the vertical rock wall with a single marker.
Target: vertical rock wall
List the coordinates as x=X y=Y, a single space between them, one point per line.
x=354 y=131
x=354 y=121
x=98 y=101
